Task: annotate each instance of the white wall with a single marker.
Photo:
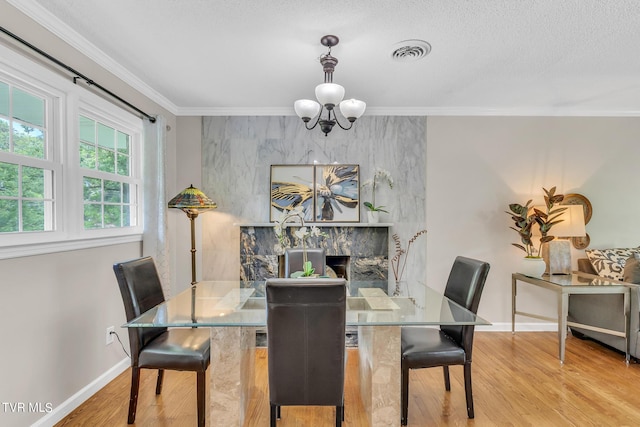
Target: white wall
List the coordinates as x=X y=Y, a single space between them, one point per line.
x=476 y=166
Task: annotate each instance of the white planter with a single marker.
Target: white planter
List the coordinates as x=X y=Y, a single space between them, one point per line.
x=532 y=267
x=373 y=217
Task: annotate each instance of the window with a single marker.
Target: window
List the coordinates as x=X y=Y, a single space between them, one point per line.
x=70 y=164
x=26 y=169
x=109 y=189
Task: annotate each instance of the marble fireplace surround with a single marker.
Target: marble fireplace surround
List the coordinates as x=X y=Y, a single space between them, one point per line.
x=366 y=245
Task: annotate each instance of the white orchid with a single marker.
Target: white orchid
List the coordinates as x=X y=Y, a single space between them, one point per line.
x=301 y=233
x=380 y=175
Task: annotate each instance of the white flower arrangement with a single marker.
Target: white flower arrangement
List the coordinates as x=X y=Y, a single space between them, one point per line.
x=301 y=234
x=380 y=175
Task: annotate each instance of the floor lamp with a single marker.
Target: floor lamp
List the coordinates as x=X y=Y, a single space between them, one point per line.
x=192 y=201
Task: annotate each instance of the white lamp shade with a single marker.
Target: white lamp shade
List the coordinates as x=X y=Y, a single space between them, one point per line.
x=306 y=108
x=572 y=224
x=352 y=108
x=329 y=93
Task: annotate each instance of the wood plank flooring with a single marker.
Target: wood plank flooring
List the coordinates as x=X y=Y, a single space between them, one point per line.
x=517 y=381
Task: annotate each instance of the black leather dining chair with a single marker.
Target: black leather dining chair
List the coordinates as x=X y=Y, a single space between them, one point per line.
x=181 y=349
x=424 y=347
x=306 y=343
x=293 y=260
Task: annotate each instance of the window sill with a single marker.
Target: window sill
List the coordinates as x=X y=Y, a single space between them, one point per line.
x=18 y=251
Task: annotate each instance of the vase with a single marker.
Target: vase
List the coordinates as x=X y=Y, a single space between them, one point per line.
x=532 y=267
x=373 y=217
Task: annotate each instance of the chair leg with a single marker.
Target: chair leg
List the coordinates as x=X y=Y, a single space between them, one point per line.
x=133 y=398
x=274 y=414
x=201 y=387
x=159 y=381
x=447 y=381
x=278 y=415
x=339 y=415
x=467 y=389
x=404 y=396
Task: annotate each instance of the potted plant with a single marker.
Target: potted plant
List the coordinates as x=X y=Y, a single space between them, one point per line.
x=301 y=234
x=524 y=218
x=373 y=211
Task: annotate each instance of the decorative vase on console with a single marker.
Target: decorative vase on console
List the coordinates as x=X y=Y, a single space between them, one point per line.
x=524 y=218
x=373 y=211
x=532 y=266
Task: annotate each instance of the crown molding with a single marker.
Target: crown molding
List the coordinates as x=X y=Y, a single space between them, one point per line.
x=50 y=22
x=418 y=111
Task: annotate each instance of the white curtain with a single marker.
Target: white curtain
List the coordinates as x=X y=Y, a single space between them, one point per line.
x=154 y=239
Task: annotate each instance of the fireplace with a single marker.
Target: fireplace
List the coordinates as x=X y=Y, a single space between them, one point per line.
x=357 y=252
x=336 y=264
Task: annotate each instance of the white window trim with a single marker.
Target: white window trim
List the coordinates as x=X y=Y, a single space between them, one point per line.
x=70 y=101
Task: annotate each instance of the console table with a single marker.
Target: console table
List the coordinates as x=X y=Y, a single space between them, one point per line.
x=564 y=285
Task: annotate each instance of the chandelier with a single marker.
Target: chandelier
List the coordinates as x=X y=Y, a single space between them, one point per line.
x=329 y=95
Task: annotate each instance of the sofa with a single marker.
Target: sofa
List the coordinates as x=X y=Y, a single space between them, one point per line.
x=605 y=311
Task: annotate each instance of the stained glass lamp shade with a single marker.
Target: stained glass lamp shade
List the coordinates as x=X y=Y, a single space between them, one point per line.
x=192 y=201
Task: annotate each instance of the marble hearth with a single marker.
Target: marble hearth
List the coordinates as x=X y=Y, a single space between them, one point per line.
x=366 y=246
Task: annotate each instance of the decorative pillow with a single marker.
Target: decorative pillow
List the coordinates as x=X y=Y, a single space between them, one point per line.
x=609 y=263
x=632 y=269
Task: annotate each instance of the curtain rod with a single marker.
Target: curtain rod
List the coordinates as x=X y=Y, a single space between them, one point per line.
x=77 y=75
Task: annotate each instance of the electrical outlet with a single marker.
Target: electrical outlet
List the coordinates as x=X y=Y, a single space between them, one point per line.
x=110 y=333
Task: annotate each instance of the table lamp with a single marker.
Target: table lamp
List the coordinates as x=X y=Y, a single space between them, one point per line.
x=557 y=253
x=192 y=201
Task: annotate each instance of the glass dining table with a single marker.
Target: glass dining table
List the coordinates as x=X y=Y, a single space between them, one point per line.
x=235 y=311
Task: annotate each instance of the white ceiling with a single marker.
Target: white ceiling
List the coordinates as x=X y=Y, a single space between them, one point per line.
x=253 y=57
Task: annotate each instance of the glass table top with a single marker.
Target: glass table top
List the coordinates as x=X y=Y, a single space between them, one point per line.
x=235 y=303
x=575 y=279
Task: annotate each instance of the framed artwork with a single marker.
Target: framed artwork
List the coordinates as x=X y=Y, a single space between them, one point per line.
x=336 y=197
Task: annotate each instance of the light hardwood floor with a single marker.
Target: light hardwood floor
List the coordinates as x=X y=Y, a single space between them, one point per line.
x=517 y=381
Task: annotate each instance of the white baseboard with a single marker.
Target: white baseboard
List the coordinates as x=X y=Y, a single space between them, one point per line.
x=81 y=396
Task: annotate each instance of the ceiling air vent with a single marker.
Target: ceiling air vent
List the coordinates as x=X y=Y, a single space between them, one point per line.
x=410 y=50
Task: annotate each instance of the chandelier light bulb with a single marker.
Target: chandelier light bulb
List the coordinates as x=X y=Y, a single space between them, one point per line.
x=306 y=109
x=352 y=109
x=329 y=94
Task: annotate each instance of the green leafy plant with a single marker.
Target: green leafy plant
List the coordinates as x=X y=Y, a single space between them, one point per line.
x=525 y=217
x=307 y=271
